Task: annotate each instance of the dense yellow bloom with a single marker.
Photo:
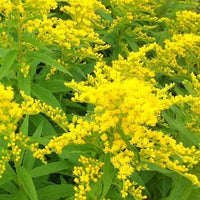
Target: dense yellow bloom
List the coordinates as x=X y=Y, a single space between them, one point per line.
x=6 y=6
x=122 y=111
x=28 y=7
x=122 y=95
x=187 y=22
x=74 y=35
x=83 y=12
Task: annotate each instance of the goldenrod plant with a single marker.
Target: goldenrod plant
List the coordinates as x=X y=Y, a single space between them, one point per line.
x=99 y=100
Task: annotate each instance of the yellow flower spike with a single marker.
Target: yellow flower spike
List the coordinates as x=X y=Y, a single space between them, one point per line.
x=11 y=114
x=90 y=172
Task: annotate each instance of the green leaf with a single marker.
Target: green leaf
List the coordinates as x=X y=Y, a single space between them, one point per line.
x=26 y=181
x=7 y=63
x=24 y=83
x=21 y=195
x=45 y=96
x=3 y=52
x=8 y=175
x=164 y=184
x=96 y=190
x=182 y=188
x=104 y=15
x=38 y=131
x=194 y=195
x=80 y=148
x=24 y=126
x=34 y=42
x=176 y=121
x=41 y=57
x=41 y=140
x=55 y=192
x=50 y=168
x=9 y=187
x=77 y=72
x=8 y=197
x=132 y=43
x=153 y=167
x=74 y=105
x=29 y=160
x=108 y=174
x=72 y=152
x=114 y=194
x=47 y=126
x=55 y=86
x=136 y=177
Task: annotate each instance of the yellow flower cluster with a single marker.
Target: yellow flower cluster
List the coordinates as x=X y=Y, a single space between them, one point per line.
x=124 y=161
x=10 y=111
x=136 y=192
x=187 y=22
x=40 y=6
x=122 y=113
x=6 y=7
x=118 y=95
x=89 y=172
x=157 y=148
x=75 y=35
x=137 y=21
x=30 y=105
x=28 y=8
x=122 y=95
x=83 y=12
x=17 y=142
x=11 y=114
x=179 y=55
x=131 y=8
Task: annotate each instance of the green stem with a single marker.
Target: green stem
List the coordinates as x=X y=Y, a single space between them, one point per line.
x=20 y=39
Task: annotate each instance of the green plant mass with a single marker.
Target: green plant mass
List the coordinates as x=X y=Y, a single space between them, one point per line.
x=99 y=100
